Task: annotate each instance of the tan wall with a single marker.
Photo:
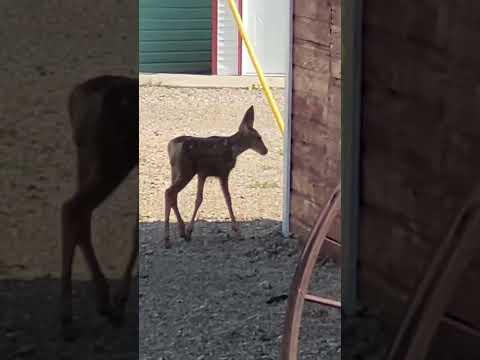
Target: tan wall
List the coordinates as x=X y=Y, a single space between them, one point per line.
x=420 y=146
x=59 y=44
x=316 y=102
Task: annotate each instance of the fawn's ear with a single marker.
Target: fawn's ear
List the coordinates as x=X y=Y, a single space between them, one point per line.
x=248 y=118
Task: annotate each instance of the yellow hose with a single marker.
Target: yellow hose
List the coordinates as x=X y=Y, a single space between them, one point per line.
x=258 y=69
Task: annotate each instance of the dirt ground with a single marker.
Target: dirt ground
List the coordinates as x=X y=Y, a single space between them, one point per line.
x=220 y=297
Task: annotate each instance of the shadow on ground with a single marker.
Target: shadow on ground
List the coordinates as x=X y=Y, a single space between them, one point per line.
x=218 y=297
x=29 y=326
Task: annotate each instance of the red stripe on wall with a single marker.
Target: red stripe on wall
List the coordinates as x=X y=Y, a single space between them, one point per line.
x=214 y=36
x=240 y=47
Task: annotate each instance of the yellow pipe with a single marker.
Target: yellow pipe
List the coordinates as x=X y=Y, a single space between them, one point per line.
x=258 y=69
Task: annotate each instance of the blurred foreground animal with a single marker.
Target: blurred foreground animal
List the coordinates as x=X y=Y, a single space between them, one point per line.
x=104 y=119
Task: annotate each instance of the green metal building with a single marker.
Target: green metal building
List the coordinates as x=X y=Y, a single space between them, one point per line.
x=175 y=36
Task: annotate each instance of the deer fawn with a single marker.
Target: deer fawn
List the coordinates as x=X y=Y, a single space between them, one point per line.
x=104 y=119
x=212 y=156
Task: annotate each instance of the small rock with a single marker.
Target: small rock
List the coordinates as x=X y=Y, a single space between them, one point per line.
x=266 y=284
x=26 y=350
x=264 y=337
x=12 y=334
x=99 y=346
x=277 y=299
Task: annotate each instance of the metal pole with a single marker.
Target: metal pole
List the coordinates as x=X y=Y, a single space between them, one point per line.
x=287 y=139
x=258 y=69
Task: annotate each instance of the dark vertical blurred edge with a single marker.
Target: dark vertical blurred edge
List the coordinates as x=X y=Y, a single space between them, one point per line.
x=351 y=117
x=48 y=47
x=351 y=58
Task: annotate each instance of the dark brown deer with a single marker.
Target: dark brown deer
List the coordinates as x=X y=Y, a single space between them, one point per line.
x=104 y=119
x=205 y=157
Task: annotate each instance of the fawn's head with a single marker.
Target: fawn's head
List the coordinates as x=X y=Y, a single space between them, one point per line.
x=250 y=136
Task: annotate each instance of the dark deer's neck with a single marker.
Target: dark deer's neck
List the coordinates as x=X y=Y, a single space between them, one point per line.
x=239 y=143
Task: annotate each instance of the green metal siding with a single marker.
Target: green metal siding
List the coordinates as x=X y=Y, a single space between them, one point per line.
x=175 y=36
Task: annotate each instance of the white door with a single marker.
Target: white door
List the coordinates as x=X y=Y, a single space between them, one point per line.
x=227 y=41
x=266 y=22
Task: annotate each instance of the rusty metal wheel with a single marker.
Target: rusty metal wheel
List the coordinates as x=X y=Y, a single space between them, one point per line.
x=303 y=274
x=430 y=302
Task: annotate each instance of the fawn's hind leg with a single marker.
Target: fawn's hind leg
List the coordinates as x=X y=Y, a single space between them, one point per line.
x=76 y=230
x=122 y=296
x=171 y=196
x=198 y=202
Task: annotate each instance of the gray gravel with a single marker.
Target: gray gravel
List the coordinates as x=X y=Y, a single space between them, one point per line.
x=214 y=298
x=211 y=301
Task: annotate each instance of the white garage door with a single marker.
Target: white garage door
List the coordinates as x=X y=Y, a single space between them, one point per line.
x=266 y=22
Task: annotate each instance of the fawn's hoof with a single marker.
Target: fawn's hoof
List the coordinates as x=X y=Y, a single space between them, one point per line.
x=188 y=234
x=116 y=313
x=237 y=235
x=117 y=317
x=182 y=231
x=69 y=332
x=236 y=227
x=120 y=300
x=104 y=307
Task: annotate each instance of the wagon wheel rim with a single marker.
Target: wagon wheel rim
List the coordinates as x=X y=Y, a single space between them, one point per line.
x=303 y=274
x=431 y=300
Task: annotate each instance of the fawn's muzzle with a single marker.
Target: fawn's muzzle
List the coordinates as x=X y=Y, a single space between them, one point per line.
x=262 y=149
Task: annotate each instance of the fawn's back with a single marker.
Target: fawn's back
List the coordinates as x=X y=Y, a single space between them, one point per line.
x=214 y=155
x=104 y=117
x=210 y=156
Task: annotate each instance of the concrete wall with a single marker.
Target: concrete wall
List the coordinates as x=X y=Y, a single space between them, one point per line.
x=316 y=102
x=420 y=145
x=59 y=44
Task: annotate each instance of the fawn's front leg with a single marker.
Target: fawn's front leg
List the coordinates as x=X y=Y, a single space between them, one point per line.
x=198 y=202
x=228 y=200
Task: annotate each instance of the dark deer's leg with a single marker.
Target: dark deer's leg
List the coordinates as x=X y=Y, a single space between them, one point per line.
x=168 y=207
x=68 y=252
x=69 y=241
x=123 y=293
x=77 y=214
x=198 y=202
x=228 y=200
x=166 y=228
x=171 y=195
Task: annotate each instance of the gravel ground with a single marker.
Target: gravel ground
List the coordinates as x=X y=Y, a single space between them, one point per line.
x=220 y=297
x=27 y=333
